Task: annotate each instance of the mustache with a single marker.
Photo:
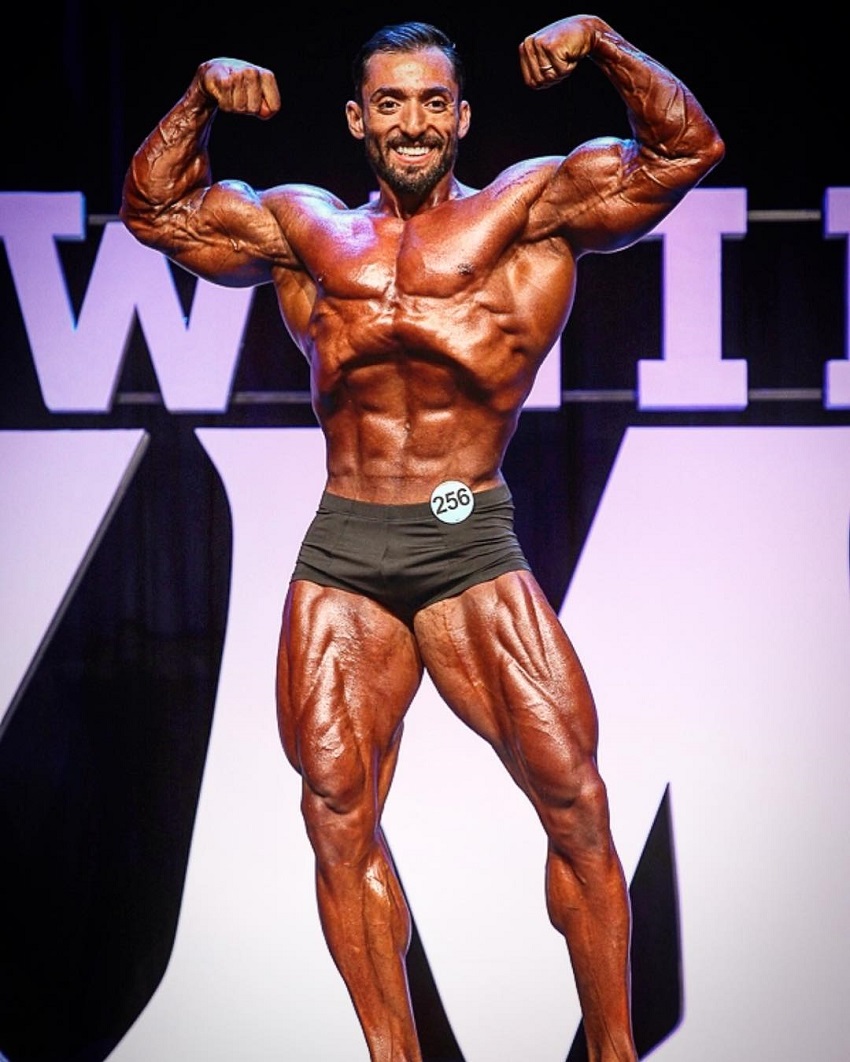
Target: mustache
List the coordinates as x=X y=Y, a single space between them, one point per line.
x=427 y=141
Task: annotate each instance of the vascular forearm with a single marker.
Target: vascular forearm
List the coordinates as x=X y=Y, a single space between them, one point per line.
x=664 y=115
x=172 y=162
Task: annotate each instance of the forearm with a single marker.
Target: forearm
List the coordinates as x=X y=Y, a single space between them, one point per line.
x=665 y=117
x=171 y=163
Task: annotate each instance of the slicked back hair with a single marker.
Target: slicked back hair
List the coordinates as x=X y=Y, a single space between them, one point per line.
x=406 y=37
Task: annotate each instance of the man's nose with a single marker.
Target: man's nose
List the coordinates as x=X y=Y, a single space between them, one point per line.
x=414 y=118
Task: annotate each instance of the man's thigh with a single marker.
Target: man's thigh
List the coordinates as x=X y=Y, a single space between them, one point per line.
x=347 y=672
x=502 y=661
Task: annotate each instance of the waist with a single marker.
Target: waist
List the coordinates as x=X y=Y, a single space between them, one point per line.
x=487 y=499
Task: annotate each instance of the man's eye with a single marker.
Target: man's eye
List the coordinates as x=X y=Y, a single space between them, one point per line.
x=387 y=106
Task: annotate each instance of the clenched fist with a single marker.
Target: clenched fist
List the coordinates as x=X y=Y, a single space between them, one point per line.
x=552 y=53
x=239 y=87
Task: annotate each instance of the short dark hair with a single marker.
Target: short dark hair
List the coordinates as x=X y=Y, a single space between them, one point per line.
x=406 y=37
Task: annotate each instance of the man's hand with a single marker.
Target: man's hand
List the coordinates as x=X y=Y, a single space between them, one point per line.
x=552 y=53
x=238 y=87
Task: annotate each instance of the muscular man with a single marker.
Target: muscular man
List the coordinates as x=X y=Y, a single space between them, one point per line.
x=424 y=315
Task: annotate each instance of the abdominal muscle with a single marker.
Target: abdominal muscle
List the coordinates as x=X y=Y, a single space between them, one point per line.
x=421 y=382
x=396 y=429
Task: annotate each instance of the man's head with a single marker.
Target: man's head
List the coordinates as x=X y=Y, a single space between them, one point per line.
x=406 y=37
x=408 y=108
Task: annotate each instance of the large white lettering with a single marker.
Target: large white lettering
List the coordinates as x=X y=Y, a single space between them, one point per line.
x=692 y=373
x=546 y=390
x=78 y=363
x=58 y=491
x=837 y=373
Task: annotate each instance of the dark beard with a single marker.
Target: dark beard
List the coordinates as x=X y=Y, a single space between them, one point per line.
x=417 y=183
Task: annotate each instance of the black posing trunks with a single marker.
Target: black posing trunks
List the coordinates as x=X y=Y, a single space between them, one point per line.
x=403 y=556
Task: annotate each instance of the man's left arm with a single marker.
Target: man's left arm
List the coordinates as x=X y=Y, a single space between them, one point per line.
x=613 y=191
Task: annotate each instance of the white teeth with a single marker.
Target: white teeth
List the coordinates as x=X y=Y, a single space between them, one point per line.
x=412 y=150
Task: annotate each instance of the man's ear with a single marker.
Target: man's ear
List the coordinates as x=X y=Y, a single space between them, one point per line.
x=464 y=118
x=354 y=117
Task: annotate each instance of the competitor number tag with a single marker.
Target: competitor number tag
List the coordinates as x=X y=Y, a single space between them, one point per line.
x=452 y=501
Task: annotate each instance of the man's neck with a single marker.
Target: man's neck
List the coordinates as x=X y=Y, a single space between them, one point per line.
x=406 y=205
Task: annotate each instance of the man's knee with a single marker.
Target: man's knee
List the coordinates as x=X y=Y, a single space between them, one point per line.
x=340 y=816
x=577 y=821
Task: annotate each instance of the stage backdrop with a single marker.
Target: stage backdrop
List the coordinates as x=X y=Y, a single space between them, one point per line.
x=682 y=481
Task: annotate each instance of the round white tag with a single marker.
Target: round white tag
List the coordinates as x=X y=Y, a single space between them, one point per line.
x=452 y=501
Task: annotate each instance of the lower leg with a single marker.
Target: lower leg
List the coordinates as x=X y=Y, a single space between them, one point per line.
x=367 y=928
x=589 y=903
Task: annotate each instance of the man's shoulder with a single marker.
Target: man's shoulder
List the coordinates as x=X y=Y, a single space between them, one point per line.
x=304 y=196
x=529 y=173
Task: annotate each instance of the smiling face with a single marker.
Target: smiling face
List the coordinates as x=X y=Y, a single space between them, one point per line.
x=410 y=118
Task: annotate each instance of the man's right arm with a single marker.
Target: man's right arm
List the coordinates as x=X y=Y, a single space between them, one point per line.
x=222 y=231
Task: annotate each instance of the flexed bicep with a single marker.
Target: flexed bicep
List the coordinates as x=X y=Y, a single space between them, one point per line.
x=224 y=233
x=221 y=231
x=609 y=193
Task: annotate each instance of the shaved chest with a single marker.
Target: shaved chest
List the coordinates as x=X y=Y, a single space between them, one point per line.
x=454 y=290
x=433 y=256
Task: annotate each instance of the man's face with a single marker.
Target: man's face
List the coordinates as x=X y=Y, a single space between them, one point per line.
x=410 y=119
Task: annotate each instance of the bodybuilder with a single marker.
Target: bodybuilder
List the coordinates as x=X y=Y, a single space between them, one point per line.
x=424 y=315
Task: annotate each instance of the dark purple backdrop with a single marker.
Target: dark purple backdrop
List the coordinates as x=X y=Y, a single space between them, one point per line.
x=85 y=793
